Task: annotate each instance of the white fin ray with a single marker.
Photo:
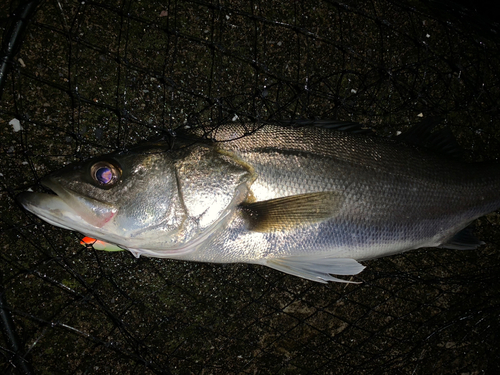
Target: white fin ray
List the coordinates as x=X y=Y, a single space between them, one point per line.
x=316 y=268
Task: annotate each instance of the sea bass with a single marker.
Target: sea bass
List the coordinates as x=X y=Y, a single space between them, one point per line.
x=306 y=200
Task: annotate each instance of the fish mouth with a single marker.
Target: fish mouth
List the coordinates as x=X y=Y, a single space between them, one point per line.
x=66 y=208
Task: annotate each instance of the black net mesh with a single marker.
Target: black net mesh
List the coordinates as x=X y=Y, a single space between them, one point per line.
x=88 y=77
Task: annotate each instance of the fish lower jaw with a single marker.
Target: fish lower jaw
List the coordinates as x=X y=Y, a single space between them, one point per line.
x=50 y=208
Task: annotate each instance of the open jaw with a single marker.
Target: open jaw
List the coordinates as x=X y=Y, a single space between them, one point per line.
x=67 y=208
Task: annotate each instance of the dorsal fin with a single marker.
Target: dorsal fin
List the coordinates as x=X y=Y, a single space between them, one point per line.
x=441 y=141
x=343 y=126
x=421 y=134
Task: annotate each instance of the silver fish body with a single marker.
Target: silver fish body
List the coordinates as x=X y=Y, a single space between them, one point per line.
x=308 y=201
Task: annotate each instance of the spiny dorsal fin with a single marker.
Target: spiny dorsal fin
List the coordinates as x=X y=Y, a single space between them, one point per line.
x=290 y=212
x=343 y=126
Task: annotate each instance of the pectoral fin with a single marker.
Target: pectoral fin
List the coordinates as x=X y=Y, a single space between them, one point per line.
x=293 y=211
x=316 y=268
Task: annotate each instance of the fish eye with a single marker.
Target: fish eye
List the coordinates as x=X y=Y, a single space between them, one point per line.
x=105 y=174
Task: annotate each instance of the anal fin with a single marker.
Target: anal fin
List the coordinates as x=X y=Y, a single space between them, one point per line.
x=316 y=268
x=463 y=240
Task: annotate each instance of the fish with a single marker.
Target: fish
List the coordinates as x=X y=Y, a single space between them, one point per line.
x=313 y=200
